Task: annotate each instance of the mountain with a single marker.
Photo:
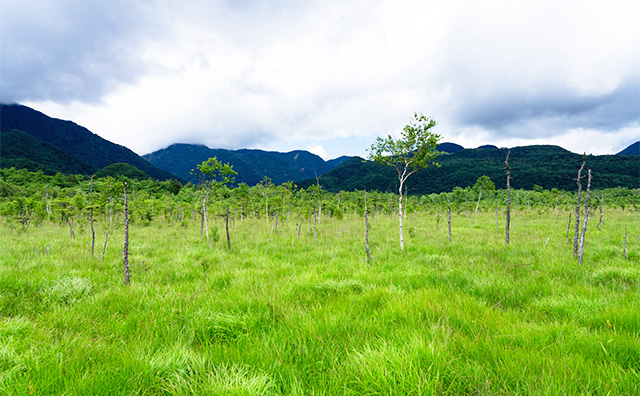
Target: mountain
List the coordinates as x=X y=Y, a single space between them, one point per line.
x=82 y=148
x=545 y=166
x=20 y=150
x=633 y=149
x=450 y=148
x=252 y=165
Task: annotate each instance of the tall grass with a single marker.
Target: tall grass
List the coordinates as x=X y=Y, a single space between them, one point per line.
x=280 y=316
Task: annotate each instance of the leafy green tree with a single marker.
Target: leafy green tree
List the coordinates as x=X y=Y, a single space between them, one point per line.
x=413 y=151
x=212 y=174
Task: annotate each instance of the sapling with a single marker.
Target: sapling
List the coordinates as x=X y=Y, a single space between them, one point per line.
x=415 y=150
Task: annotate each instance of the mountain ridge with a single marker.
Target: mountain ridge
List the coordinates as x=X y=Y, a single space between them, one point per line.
x=74 y=139
x=252 y=165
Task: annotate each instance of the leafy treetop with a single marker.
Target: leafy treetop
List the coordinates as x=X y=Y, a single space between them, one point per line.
x=214 y=174
x=413 y=151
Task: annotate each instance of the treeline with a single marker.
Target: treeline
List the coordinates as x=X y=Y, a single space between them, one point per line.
x=546 y=166
x=28 y=198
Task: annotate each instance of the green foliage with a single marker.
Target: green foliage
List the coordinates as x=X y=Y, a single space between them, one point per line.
x=214 y=174
x=546 y=166
x=120 y=170
x=413 y=151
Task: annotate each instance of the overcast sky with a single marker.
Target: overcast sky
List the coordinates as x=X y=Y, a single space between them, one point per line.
x=328 y=76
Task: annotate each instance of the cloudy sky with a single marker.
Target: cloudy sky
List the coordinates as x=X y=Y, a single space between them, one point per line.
x=328 y=76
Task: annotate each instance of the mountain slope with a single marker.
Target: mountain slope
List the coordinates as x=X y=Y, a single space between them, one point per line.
x=74 y=139
x=546 y=166
x=20 y=150
x=252 y=165
x=633 y=149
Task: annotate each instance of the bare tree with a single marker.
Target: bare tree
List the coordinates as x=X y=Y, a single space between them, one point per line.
x=227 y=228
x=366 y=221
x=586 y=217
x=449 y=213
x=93 y=234
x=576 y=234
x=125 y=251
x=508 y=198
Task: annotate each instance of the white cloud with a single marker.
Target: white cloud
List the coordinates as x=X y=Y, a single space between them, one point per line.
x=283 y=74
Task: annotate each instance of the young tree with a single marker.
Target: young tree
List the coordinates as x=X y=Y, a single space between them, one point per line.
x=413 y=151
x=213 y=174
x=483 y=184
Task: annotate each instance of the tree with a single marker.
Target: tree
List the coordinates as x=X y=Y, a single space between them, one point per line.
x=413 y=151
x=212 y=174
x=483 y=184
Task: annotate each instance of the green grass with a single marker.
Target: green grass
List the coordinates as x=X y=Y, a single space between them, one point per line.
x=280 y=316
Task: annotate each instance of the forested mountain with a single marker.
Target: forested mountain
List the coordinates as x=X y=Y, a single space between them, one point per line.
x=20 y=150
x=78 y=149
x=545 y=166
x=252 y=165
x=633 y=149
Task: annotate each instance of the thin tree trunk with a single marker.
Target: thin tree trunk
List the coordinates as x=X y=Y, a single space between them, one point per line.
x=508 y=199
x=46 y=193
x=111 y=213
x=93 y=234
x=104 y=248
x=227 y=228
x=366 y=221
x=568 y=227
x=125 y=251
x=400 y=215
x=449 y=213
x=203 y=223
x=576 y=235
x=73 y=235
x=497 y=219
x=478 y=204
x=586 y=217
x=276 y=223
x=315 y=232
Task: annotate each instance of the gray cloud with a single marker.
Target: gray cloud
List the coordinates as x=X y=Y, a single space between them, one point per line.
x=503 y=111
x=69 y=50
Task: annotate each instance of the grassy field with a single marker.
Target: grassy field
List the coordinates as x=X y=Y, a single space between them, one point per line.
x=277 y=315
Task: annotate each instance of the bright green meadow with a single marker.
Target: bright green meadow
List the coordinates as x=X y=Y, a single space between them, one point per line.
x=282 y=315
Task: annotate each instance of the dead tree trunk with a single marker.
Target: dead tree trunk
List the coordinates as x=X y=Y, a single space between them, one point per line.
x=315 y=231
x=125 y=251
x=449 y=212
x=106 y=236
x=576 y=234
x=366 y=221
x=48 y=202
x=203 y=222
x=508 y=199
x=227 y=228
x=586 y=217
x=93 y=234
x=568 y=227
